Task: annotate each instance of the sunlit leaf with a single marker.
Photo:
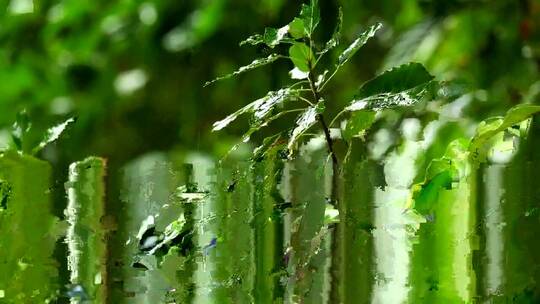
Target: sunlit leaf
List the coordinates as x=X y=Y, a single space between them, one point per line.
x=305 y=121
x=358 y=43
x=296 y=28
x=301 y=55
x=253 y=65
x=260 y=108
x=402 y=86
x=358 y=122
x=53 y=134
x=489 y=128
x=336 y=36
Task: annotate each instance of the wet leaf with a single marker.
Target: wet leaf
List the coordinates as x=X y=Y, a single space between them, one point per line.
x=358 y=122
x=261 y=108
x=305 y=121
x=53 y=134
x=302 y=56
x=402 y=86
x=358 y=43
x=253 y=65
x=489 y=128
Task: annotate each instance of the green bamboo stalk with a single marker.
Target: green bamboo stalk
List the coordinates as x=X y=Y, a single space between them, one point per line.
x=355 y=228
x=441 y=263
x=310 y=238
x=28 y=231
x=268 y=229
x=521 y=224
x=87 y=236
x=148 y=183
x=231 y=255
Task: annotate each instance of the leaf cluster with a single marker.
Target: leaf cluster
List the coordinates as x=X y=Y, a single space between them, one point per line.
x=402 y=86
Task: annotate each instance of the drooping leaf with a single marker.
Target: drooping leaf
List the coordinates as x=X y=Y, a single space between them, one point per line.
x=260 y=108
x=20 y=128
x=296 y=28
x=305 y=121
x=336 y=36
x=301 y=55
x=253 y=65
x=489 y=128
x=402 y=86
x=358 y=122
x=358 y=43
x=53 y=134
x=310 y=15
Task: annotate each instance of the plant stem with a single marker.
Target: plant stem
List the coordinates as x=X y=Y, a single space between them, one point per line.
x=329 y=141
x=336 y=254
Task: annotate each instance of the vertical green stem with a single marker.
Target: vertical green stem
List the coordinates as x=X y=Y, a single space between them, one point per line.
x=232 y=254
x=86 y=237
x=356 y=225
x=309 y=236
x=267 y=229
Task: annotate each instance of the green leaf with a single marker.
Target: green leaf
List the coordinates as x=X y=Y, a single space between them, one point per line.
x=296 y=28
x=53 y=134
x=402 y=86
x=305 y=121
x=491 y=127
x=336 y=36
x=358 y=122
x=253 y=65
x=310 y=15
x=301 y=55
x=358 y=43
x=261 y=108
x=273 y=37
x=20 y=128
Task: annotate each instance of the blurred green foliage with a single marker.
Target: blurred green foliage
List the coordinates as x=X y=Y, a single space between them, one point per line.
x=132 y=71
